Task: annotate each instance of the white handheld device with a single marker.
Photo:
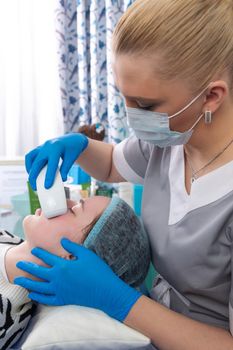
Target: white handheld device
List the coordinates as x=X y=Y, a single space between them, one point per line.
x=52 y=200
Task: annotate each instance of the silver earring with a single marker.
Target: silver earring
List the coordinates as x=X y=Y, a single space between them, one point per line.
x=208 y=117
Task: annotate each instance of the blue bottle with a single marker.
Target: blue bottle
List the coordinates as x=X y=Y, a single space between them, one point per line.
x=78 y=176
x=137 y=198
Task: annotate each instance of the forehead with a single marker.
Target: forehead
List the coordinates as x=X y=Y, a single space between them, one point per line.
x=139 y=76
x=98 y=203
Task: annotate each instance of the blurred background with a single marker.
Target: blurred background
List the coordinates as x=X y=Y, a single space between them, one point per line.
x=56 y=78
x=55 y=68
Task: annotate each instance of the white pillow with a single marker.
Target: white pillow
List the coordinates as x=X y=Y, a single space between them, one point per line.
x=75 y=327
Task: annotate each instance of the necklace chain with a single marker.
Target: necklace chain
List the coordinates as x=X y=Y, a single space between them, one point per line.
x=195 y=172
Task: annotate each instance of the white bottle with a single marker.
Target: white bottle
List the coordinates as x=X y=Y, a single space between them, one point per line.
x=125 y=191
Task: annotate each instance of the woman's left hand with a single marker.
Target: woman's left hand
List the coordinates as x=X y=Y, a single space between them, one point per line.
x=86 y=281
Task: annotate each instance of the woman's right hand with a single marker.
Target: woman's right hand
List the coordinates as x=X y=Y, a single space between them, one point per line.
x=68 y=147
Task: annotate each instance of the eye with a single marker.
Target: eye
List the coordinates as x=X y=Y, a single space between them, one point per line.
x=148 y=108
x=79 y=204
x=82 y=203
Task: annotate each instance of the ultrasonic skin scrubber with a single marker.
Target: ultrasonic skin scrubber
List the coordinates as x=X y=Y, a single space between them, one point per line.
x=53 y=200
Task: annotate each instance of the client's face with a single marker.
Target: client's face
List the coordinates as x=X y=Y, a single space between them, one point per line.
x=47 y=233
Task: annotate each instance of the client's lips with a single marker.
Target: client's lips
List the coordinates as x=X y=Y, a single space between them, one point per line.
x=38 y=212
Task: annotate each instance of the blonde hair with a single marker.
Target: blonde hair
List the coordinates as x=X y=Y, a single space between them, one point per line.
x=193 y=39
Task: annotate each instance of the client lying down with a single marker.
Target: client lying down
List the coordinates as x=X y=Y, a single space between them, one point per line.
x=109 y=227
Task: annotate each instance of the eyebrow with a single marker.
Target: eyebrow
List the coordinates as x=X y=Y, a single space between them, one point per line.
x=82 y=203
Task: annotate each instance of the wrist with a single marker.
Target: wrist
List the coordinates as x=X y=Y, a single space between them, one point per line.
x=85 y=141
x=127 y=298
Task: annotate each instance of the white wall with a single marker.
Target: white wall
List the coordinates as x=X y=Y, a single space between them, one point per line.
x=30 y=106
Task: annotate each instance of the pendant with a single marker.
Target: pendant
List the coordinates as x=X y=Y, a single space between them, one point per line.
x=192 y=179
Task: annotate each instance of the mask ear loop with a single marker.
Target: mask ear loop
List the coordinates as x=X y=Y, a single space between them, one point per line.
x=188 y=105
x=196 y=122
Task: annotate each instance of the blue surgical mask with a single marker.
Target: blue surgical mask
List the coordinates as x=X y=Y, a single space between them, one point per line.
x=154 y=128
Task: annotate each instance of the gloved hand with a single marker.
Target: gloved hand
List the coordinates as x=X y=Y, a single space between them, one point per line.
x=86 y=281
x=68 y=147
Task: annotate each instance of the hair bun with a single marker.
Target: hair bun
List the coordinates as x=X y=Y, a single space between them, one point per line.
x=95 y=131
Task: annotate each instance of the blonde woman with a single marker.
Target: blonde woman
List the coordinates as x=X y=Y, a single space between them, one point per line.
x=173 y=63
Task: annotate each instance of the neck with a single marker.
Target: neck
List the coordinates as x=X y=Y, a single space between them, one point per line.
x=22 y=252
x=15 y=254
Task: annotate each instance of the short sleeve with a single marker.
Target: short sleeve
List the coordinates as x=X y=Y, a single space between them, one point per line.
x=131 y=157
x=231 y=295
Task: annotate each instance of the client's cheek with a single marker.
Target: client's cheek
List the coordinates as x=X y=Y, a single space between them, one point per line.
x=84 y=236
x=80 y=237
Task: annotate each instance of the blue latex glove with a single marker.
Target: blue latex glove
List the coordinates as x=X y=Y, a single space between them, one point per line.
x=68 y=147
x=86 y=281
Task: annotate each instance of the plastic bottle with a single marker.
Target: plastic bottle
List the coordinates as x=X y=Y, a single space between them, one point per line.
x=137 y=198
x=125 y=192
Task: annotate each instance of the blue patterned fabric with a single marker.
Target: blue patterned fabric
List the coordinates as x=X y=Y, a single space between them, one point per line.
x=84 y=30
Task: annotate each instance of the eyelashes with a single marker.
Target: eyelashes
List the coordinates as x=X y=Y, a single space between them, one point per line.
x=148 y=108
x=81 y=201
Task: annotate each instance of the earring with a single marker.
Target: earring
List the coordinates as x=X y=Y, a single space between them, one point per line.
x=208 y=117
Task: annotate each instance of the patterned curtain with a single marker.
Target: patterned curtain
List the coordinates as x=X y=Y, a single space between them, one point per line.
x=84 y=31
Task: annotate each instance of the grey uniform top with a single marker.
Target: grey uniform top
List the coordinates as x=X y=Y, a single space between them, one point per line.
x=190 y=235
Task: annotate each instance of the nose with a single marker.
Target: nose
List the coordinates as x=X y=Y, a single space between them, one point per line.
x=38 y=211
